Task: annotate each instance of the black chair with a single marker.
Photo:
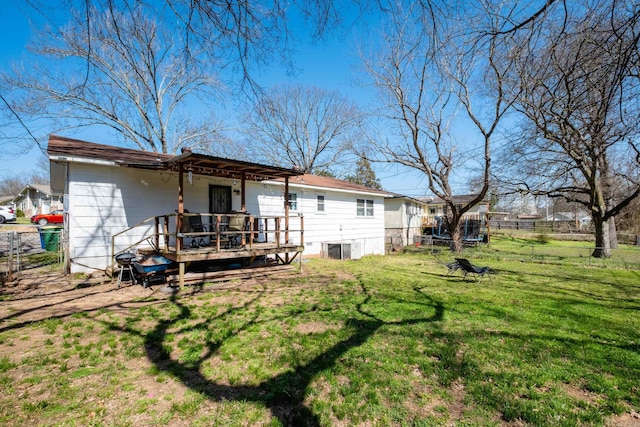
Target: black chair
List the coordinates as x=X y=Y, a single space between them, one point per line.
x=451 y=266
x=196 y=225
x=468 y=268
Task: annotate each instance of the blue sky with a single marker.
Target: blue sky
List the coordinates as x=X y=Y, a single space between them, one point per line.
x=328 y=64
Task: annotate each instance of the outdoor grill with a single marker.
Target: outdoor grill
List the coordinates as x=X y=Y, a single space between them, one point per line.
x=125 y=261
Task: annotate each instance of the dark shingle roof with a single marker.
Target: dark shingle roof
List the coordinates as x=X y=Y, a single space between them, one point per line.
x=65 y=148
x=326 y=182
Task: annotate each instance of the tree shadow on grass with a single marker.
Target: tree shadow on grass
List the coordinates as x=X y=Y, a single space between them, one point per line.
x=284 y=393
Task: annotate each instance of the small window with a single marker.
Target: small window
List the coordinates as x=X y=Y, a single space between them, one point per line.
x=432 y=211
x=369 y=207
x=364 y=207
x=320 y=203
x=293 y=201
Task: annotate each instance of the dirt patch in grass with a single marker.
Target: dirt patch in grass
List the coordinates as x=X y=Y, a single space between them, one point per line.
x=581 y=394
x=129 y=389
x=630 y=419
x=315 y=327
x=42 y=294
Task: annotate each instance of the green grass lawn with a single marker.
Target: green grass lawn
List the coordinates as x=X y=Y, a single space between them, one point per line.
x=379 y=341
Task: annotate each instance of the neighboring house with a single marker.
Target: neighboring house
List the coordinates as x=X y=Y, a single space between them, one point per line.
x=403 y=220
x=35 y=198
x=112 y=191
x=436 y=207
x=5 y=199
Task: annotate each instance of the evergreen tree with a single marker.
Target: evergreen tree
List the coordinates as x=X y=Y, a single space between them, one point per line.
x=364 y=175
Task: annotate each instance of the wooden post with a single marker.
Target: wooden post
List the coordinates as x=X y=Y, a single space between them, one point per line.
x=218 y=219
x=301 y=230
x=166 y=233
x=10 y=261
x=181 y=274
x=181 y=266
x=157 y=232
x=286 y=209
x=179 y=217
x=243 y=200
x=301 y=240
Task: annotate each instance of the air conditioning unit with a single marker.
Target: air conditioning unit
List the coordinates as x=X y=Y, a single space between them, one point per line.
x=342 y=250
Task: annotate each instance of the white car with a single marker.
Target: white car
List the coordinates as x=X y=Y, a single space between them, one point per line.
x=7 y=214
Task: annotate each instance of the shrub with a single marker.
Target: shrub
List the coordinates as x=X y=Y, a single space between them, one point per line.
x=543 y=238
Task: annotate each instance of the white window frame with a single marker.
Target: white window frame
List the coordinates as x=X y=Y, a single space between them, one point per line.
x=321 y=204
x=365 y=208
x=293 y=201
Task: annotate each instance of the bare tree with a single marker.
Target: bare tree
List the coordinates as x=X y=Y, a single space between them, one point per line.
x=250 y=35
x=127 y=73
x=308 y=127
x=168 y=55
x=576 y=85
x=430 y=68
x=10 y=185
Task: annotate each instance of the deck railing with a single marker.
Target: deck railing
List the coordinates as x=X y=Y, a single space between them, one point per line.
x=219 y=232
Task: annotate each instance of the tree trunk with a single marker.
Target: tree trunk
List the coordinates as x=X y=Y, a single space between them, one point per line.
x=456 y=236
x=603 y=246
x=613 y=234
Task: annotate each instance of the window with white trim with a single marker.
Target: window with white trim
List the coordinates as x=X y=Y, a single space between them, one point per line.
x=364 y=207
x=293 y=201
x=320 y=203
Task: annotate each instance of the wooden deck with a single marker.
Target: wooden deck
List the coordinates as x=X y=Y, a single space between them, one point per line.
x=211 y=253
x=263 y=239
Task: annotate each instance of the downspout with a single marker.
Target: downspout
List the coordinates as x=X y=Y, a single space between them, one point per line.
x=67 y=251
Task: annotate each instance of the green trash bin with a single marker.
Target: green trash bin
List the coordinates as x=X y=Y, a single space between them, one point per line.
x=50 y=237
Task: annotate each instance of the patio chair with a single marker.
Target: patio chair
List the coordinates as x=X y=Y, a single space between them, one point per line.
x=451 y=266
x=236 y=226
x=468 y=268
x=196 y=225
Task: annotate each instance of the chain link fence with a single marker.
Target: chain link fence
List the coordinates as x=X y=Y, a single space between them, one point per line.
x=26 y=249
x=574 y=253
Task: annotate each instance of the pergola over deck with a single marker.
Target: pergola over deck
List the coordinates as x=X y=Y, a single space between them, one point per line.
x=201 y=164
x=187 y=163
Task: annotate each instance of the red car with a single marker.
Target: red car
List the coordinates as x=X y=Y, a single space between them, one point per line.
x=54 y=217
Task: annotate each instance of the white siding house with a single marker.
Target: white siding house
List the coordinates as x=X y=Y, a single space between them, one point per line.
x=403 y=220
x=334 y=211
x=105 y=195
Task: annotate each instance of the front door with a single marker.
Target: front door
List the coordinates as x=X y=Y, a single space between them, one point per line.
x=219 y=199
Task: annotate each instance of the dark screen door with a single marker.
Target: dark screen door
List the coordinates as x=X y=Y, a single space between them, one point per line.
x=219 y=199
